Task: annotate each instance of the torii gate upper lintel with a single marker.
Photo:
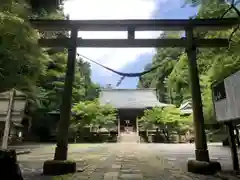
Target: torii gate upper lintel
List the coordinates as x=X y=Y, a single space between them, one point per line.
x=131 y=26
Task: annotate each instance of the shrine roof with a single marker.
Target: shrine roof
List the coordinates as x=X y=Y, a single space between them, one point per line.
x=130 y=98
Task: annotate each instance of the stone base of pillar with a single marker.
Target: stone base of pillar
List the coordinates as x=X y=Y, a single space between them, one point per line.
x=202 y=167
x=58 y=167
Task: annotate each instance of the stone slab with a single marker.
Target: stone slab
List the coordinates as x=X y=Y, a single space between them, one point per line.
x=111 y=176
x=130 y=171
x=116 y=166
x=131 y=176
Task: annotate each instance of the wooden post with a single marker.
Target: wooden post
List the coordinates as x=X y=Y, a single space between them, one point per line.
x=118 y=119
x=8 y=119
x=131 y=33
x=137 y=126
x=201 y=151
x=237 y=135
x=65 y=111
x=232 y=142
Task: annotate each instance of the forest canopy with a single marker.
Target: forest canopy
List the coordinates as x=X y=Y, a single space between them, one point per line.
x=38 y=72
x=172 y=80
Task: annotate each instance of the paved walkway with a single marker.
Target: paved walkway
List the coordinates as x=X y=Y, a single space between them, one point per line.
x=134 y=162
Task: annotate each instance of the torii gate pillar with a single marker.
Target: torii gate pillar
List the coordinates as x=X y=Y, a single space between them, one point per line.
x=202 y=164
x=201 y=151
x=65 y=111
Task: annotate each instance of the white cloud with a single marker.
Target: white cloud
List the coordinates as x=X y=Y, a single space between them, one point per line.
x=112 y=9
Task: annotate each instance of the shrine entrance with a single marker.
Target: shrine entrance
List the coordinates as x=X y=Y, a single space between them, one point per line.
x=189 y=42
x=127 y=126
x=128 y=119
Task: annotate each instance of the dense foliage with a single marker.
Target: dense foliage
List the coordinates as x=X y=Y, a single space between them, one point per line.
x=22 y=61
x=168 y=119
x=171 y=79
x=38 y=72
x=200 y=2
x=93 y=115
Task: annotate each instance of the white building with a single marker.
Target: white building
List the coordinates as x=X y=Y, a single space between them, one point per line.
x=186 y=107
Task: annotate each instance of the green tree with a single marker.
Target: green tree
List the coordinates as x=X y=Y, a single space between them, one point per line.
x=150 y=118
x=22 y=60
x=214 y=64
x=168 y=119
x=92 y=114
x=39 y=72
x=167 y=58
x=204 y=2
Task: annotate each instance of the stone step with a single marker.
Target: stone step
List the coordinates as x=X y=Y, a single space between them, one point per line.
x=129 y=137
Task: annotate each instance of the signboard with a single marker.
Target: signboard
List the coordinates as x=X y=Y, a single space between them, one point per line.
x=226 y=98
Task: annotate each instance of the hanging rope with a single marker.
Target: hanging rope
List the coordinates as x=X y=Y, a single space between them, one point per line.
x=139 y=74
x=121 y=73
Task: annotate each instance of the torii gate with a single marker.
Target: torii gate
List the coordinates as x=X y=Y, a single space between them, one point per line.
x=190 y=43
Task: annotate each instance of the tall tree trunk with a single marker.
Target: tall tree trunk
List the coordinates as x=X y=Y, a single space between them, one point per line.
x=166 y=134
x=147 y=135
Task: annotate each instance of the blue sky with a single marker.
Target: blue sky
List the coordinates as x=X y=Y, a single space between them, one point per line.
x=125 y=60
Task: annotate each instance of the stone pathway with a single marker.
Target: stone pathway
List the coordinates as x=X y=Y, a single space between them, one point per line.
x=133 y=162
